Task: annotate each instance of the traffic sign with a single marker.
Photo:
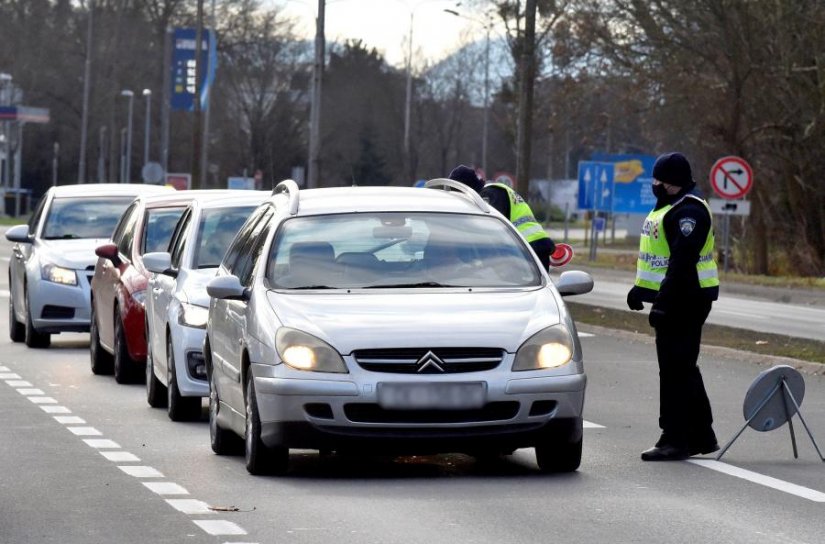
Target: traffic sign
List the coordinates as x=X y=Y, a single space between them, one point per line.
x=729 y=207
x=632 y=179
x=595 y=185
x=731 y=177
x=152 y=172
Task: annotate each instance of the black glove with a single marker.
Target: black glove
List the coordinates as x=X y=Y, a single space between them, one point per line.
x=656 y=318
x=634 y=299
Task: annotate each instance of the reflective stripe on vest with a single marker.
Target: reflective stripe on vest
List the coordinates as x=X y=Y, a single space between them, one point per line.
x=521 y=216
x=654 y=252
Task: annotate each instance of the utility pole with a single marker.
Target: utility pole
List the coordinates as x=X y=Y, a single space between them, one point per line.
x=84 y=122
x=147 y=94
x=213 y=35
x=101 y=156
x=197 y=133
x=315 y=108
x=166 y=97
x=527 y=71
x=408 y=103
x=127 y=170
x=55 y=163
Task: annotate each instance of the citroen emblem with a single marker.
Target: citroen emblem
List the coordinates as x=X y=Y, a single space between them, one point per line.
x=430 y=362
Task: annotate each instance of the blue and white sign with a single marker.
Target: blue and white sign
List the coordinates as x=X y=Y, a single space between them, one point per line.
x=596 y=185
x=183 y=68
x=633 y=179
x=240 y=183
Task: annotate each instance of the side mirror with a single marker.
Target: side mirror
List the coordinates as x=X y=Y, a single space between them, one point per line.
x=227 y=288
x=108 y=251
x=158 y=262
x=19 y=234
x=574 y=282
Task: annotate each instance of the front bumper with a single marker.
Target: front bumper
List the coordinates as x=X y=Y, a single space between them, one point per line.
x=56 y=307
x=343 y=410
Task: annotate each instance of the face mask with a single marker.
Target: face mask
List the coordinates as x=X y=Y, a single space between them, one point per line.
x=659 y=191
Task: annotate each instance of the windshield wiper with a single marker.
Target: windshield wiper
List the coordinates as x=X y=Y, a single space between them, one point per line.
x=302 y=287
x=63 y=237
x=401 y=285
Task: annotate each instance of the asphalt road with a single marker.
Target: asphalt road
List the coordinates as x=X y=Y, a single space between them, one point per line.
x=88 y=461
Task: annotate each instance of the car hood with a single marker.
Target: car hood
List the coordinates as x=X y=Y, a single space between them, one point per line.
x=500 y=319
x=76 y=254
x=194 y=285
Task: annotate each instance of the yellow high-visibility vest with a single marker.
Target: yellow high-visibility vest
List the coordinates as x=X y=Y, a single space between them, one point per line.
x=654 y=252
x=521 y=216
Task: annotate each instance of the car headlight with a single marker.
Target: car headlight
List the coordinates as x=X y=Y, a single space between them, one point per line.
x=303 y=351
x=58 y=274
x=139 y=297
x=193 y=316
x=549 y=348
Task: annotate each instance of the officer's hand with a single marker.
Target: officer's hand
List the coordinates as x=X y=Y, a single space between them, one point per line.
x=656 y=318
x=634 y=299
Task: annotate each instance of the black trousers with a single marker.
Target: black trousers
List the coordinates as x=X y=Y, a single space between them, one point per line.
x=684 y=409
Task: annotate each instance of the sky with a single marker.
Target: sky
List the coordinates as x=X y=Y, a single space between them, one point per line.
x=385 y=24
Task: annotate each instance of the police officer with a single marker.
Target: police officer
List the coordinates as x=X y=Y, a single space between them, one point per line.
x=676 y=273
x=512 y=206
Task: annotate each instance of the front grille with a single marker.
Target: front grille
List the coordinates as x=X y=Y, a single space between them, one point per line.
x=57 y=312
x=409 y=360
x=373 y=413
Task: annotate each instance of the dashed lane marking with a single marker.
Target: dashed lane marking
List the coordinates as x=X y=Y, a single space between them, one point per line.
x=50 y=409
x=139 y=471
x=84 y=431
x=590 y=425
x=101 y=444
x=189 y=506
x=586 y=335
x=761 y=479
x=9 y=376
x=42 y=400
x=219 y=527
x=31 y=391
x=166 y=488
x=17 y=383
x=70 y=420
x=120 y=456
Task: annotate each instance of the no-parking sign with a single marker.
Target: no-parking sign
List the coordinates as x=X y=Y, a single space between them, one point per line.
x=731 y=177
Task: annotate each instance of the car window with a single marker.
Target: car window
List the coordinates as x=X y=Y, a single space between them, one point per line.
x=216 y=230
x=179 y=238
x=120 y=229
x=158 y=227
x=83 y=217
x=252 y=249
x=235 y=248
x=374 y=250
x=38 y=213
x=124 y=244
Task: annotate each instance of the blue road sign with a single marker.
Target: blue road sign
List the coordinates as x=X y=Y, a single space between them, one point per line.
x=183 y=68
x=633 y=177
x=596 y=185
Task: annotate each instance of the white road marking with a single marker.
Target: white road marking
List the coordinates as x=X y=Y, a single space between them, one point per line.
x=102 y=443
x=740 y=314
x=590 y=425
x=219 y=527
x=84 y=431
x=9 y=376
x=139 y=471
x=120 y=456
x=31 y=391
x=18 y=383
x=70 y=420
x=55 y=409
x=4 y=369
x=166 y=488
x=586 y=335
x=4 y=294
x=189 y=506
x=761 y=479
x=42 y=400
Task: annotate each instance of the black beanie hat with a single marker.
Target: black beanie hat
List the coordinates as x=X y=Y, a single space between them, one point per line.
x=467 y=176
x=674 y=169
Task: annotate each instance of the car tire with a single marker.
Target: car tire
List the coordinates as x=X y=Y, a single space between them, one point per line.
x=101 y=360
x=556 y=453
x=33 y=338
x=124 y=365
x=180 y=408
x=260 y=458
x=17 y=330
x=223 y=441
x=155 y=390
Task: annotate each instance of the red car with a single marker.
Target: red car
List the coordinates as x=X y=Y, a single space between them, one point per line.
x=118 y=329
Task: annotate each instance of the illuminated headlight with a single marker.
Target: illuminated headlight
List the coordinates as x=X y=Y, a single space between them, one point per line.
x=58 y=274
x=303 y=351
x=139 y=297
x=193 y=316
x=548 y=348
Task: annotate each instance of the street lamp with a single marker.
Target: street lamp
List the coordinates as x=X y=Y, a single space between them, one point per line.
x=487 y=27
x=147 y=93
x=6 y=99
x=127 y=170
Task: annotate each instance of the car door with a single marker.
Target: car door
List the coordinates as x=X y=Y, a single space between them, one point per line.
x=107 y=276
x=21 y=253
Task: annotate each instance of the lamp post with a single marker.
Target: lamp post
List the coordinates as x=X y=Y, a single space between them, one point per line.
x=84 y=121
x=485 y=123
x=5 y=97
x=127 y=155
x=147 y=94
x=315 y=108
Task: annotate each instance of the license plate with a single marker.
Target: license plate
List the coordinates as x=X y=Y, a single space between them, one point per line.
x=450 y=396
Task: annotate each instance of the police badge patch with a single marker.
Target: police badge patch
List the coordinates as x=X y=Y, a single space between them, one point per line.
x=686 y=225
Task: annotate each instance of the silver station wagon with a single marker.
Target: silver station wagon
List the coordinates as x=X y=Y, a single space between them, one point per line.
x=390 y=319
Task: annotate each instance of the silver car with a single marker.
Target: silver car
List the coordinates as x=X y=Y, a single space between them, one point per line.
x=390 y=318
x=177 y=302
x=54 y=256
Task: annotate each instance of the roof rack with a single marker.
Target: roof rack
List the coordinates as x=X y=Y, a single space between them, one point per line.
x=452 y=185
x=291 y=188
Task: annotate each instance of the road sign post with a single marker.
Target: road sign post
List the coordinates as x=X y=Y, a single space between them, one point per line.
x=731 y=178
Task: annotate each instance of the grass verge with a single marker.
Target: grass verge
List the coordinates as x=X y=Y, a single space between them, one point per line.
x=712 y=335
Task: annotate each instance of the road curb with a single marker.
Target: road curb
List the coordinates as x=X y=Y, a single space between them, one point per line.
x=749 y=357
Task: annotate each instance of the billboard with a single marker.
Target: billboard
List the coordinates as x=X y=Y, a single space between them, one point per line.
x=183 y=68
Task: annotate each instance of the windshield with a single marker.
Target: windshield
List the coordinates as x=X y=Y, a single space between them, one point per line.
x=384 y=250
x=84 y=217
x=216 y=230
